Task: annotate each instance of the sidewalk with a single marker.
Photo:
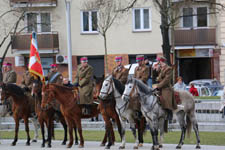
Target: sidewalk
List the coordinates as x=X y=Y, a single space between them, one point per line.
x=56 y=145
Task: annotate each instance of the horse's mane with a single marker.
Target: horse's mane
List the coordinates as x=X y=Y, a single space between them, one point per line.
x=14 y=89
x=142 y=86
x=119 y=86
x=61 y=87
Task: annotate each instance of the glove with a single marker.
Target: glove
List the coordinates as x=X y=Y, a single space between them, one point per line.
x=76 y=84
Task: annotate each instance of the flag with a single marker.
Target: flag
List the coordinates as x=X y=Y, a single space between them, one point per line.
x=35 y=62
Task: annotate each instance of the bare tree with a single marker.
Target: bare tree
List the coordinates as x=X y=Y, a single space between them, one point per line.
x=107 y=12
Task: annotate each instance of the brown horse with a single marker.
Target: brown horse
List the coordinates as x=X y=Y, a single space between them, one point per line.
x=47 y=116
x=108 y=111
x=22 y=107
x=67 y=97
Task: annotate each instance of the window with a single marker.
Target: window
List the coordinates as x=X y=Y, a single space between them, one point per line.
x=187 y=17
x=89 y=22
x=39 y=22
x=141 y=19
x=195 y=17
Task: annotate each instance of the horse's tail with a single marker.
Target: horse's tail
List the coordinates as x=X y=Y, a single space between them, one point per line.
x=166 y=126
x=189 y=126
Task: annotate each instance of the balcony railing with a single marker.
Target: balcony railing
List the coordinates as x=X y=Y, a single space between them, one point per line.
x=33 y=3
x=46 y=41
x=193 y=37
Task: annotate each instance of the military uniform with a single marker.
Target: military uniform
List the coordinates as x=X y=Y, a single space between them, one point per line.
x=27 y=80
x=120 y=73
x=9 y=77
x=164 y=85
x=55 y=77
x=84 y=80
x=142 y=73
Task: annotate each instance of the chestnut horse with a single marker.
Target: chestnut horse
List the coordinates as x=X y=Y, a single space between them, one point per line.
x=47 y=116
x=68 y=98
x=22 y=107
x=108 y=111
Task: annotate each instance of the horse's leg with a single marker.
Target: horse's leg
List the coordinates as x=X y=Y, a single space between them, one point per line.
x=50 y=131
x=63 y=122
x=76 y=137
x=123 y=123
x=141 y=129
x=78 y=124
x=35 y=123
x=180 y=117
x=108 y=127
x=133 y=129
x=154 y=133
x=161 y=128
x=71 y=135
x=195 y=127
x=16 y=130
x=42 y=132
x=26 y=122
x=117 y=119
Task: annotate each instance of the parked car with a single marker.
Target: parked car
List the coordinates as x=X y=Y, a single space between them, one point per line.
x=202 y=90
x=218 y=93
x=212 y=84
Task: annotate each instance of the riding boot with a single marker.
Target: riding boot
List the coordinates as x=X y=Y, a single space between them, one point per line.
x=169 y=115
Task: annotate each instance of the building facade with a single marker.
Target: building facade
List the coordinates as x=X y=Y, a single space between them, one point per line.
x=136 y=32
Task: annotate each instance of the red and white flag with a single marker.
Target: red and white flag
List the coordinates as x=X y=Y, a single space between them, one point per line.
x=35 y=66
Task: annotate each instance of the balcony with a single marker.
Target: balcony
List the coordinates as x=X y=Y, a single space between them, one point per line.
x=33 y=3
x=195 y=37
x=47 y=43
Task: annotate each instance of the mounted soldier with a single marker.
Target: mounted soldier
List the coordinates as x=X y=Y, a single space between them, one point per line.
x=164 y=86
x=9 y=75
x=27 y=81
x=120 y=72
x=54 y=76
x=141 y=71
x=83 y=81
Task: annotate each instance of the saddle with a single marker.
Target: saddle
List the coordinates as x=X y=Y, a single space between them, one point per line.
x=177 y=97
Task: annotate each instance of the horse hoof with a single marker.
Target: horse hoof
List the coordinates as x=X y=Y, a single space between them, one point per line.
x=76 y=143
x=140 y=145
x=63 y=143
x=107 y=147
x=135 y=147
x=34 y=141
x=28 y=144
x=122 y=147
x=49 y=145
x=160 y=146
x=102 y=144
x=42 y=145
x=69 y=146
x=178 y=147
x=198 y=147
x=13 y=144
x=81 y=146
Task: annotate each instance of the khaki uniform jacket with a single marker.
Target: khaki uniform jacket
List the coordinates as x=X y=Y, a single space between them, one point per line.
x=27 y=80
x=84 y=79
x=9 y=77
x=120 y=73
x=142 y=73
x=164 y=79
x=58 y=79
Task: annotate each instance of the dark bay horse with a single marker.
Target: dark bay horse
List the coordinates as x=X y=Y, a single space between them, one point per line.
x=155 y=114
x=23 y=107
x=67 y=97
x=47 y=116
x=108 y=111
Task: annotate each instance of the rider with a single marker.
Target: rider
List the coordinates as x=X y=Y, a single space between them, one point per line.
x=83 y=81
x=54 y=76
x=120 y=72
x=141 y=71
x=164 y=86
x=9 y=75
x=27 y=81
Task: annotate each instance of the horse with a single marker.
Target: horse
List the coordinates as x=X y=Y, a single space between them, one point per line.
x=23 y=107
x=47 y=116
x=108 y=111
x=155 y=114
x=125 y=109
x=68 y=99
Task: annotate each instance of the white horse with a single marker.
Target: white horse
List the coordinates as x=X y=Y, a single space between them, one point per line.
x=155 y=115
x=125 y=109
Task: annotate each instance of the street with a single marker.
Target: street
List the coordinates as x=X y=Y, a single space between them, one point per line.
x=56 y=145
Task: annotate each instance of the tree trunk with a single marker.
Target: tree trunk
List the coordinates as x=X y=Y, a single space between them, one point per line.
x=106 y=54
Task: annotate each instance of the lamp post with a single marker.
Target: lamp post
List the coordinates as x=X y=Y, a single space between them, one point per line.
x=69 y=45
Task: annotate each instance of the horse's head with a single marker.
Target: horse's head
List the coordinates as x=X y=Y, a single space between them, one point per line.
x=47 y=96
x=98 y=85
x=129 y=87
x=36 y=87
x=107 y=88
x=3 y=92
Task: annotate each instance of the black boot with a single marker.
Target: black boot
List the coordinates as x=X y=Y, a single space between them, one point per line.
x=169 y=115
